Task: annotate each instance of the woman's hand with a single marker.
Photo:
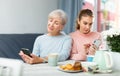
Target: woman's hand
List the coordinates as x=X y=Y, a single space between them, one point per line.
x=90 y=49
x=30 y=60
x=86 y=47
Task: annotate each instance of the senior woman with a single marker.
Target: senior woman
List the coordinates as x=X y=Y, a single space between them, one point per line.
x=52 y=42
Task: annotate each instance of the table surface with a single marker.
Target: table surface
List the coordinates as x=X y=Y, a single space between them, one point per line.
x=44 y=69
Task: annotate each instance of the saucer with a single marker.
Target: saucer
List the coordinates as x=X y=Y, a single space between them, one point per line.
x=101 y=71
x=85 y=65
x=104 y=71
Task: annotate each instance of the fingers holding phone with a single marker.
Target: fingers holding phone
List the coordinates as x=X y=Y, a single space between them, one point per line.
x=97 y=43
x=92 y=49
x=28 y=57
x=26 y=51
x=25 y=54
x=95 y=46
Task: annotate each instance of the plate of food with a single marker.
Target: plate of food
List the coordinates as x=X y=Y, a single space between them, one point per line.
x=71 y=68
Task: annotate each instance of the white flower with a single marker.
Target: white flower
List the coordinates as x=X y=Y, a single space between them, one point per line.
x=111 y=38
x=110 y=33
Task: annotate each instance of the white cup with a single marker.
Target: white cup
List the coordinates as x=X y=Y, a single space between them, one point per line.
x=53 y=59
x=92 y=65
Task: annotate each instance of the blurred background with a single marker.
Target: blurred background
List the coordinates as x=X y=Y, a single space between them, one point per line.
x=30 y=16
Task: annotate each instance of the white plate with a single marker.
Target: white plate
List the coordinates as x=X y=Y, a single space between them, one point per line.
x=88 y=63
x=103 y=71
x=69 y=71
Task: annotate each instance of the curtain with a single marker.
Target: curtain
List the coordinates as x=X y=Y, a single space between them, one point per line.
x=72 y=8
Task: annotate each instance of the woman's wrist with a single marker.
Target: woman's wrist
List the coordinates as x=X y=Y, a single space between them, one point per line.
x=44 y=60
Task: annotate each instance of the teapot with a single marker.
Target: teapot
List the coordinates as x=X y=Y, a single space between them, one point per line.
x=103 y=59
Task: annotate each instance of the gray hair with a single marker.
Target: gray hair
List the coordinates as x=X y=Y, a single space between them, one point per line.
x=60 y=13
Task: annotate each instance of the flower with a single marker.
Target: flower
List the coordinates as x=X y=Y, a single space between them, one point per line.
x=112 y=37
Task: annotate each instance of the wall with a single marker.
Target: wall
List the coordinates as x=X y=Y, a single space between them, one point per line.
x=25 y=16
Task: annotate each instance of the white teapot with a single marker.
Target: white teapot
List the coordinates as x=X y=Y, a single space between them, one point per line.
x=103 y=59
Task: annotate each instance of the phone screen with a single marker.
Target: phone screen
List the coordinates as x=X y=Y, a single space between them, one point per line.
x=26 y=51
x=97 y=42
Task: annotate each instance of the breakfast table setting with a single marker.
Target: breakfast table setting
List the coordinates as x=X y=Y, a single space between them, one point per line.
x=44 y=69
x=101 y=64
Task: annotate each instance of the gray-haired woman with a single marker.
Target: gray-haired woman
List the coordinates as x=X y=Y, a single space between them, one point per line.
x=52 y=42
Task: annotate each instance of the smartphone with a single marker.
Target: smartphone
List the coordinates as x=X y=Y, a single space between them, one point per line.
x=97 y=42
x=26 y=51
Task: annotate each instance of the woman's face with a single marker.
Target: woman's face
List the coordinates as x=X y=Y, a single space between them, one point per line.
x=54 y=25
x=85 y=24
